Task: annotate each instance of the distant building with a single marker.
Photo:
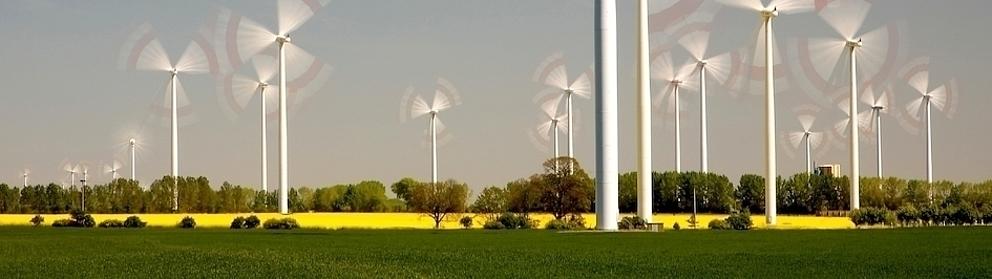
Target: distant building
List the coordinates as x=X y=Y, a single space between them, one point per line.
x=832 y=170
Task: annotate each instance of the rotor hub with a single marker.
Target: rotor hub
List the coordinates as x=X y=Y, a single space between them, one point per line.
x=855 y=44
x=773 y=12
x=283 y=39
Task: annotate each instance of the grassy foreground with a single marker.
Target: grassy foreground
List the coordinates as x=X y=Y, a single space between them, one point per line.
x=219 y=253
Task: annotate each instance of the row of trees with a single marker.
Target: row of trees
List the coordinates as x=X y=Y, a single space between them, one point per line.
x=563 y=188
x=195 y=195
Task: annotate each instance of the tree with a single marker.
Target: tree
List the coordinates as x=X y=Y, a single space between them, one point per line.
x=751 y=193
x=566 y=188
x=366 y=196
x=665 y=195
x=438 y=200
x=524 y=195
x=628 y=192
x=491 y=203
x=403 y=187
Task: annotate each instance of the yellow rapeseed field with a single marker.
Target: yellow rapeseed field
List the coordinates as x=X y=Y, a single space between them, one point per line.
x=419 y=221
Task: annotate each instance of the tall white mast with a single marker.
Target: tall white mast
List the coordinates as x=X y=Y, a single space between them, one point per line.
x=265 y=142
x=131 y=144
x=855 y=149
x=678 y=128
x=770 y=160
x=433 y=124
x=644 y=181
x=175 y=145
x=703 y=140
x=283 y=144
x=606 y=115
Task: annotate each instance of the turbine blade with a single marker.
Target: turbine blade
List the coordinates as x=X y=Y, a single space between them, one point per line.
x=449 y=90
x=552 y=72
x=792 y=7
x=420 y=107
x=143 y=51
x=551 y=106
x=193 y=60
x=938 y=97
x=582 y=86
x=796 y=138
x=868 y=96
x=917 y=74
x=696 y=42
x=265 y=68
x=846 y=16
x=914 y=107
x=663 y=68
x=293 y=13
x=240 y=39
x=751 y=5
x=807 y=122
x=441 y=101
x=882 y=51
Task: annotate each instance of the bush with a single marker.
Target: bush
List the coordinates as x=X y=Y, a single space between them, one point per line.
x=872 y=216
x=238 y=222
x=37 y=220
x=252 y=222
x=632 y=223
x=986 y=214
x=494 y=225
x=466 y=222
x=516 y=221
x=676 y=226
x=62 y=223
x=187 y=223
x=134 y=222
x=81 y=219
x=967 y=214
x=719 y=224
x=281 y=224
x=740 y=221
x=570 y=223
x=111 y=223
x=908 y=215
x=929 y=214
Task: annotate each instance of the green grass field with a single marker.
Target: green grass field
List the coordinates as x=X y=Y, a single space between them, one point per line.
x=214 y=253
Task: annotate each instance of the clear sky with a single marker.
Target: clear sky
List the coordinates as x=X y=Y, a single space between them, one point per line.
x=65 y=99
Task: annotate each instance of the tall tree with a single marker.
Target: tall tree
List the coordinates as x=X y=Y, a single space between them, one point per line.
x=439 y=200
x=566 y=187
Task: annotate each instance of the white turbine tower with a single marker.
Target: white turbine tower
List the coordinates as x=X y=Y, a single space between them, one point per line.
x=86 y=174
x=766 y=38
x=250 y=38
x=607 y=149
x=644 y=172
x=879 y=105
x=445 y=97
x=25 y=175
x=942 y=97
x=144 y=52
x=553 y=72
x=676 y=78
x=131 y=143
x=717 y=66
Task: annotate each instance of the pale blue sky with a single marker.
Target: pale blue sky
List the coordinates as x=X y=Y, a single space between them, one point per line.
x=64 y=98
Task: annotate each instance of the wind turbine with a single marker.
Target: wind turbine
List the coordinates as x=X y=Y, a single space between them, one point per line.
x=131 y=147
x=943 y=98
x=445 y=97
x=607 y=185
x=879 y=105
x=112 y=169
x=86 y=173
x=243 y=89
x=553 y=72
x=71 y=170
x=810 y=139
x=718 y=66
x=551 y=124
x=676 y=78
x=145 y=52
x=250 y=38
x=768 y=13
x=846 y=17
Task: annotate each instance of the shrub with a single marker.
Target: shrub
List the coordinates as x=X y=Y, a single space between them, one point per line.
x=81 y=219
x=929 y=215
x=908 y=215
x=986 y=214
x=187 y=223
x=632 y=223
x=740 y=221
x=719 y=224
x=494 y=225
x=37 y=220
x=570 y=223
x=134 y=222
x=238 y=222
x=466 y=222
x=62 y=223
x=252 y=222
x=872 y=216
x=281 y=224
x=676 y=226
x=967 y=214
x=516 y=221
x=111 y=223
